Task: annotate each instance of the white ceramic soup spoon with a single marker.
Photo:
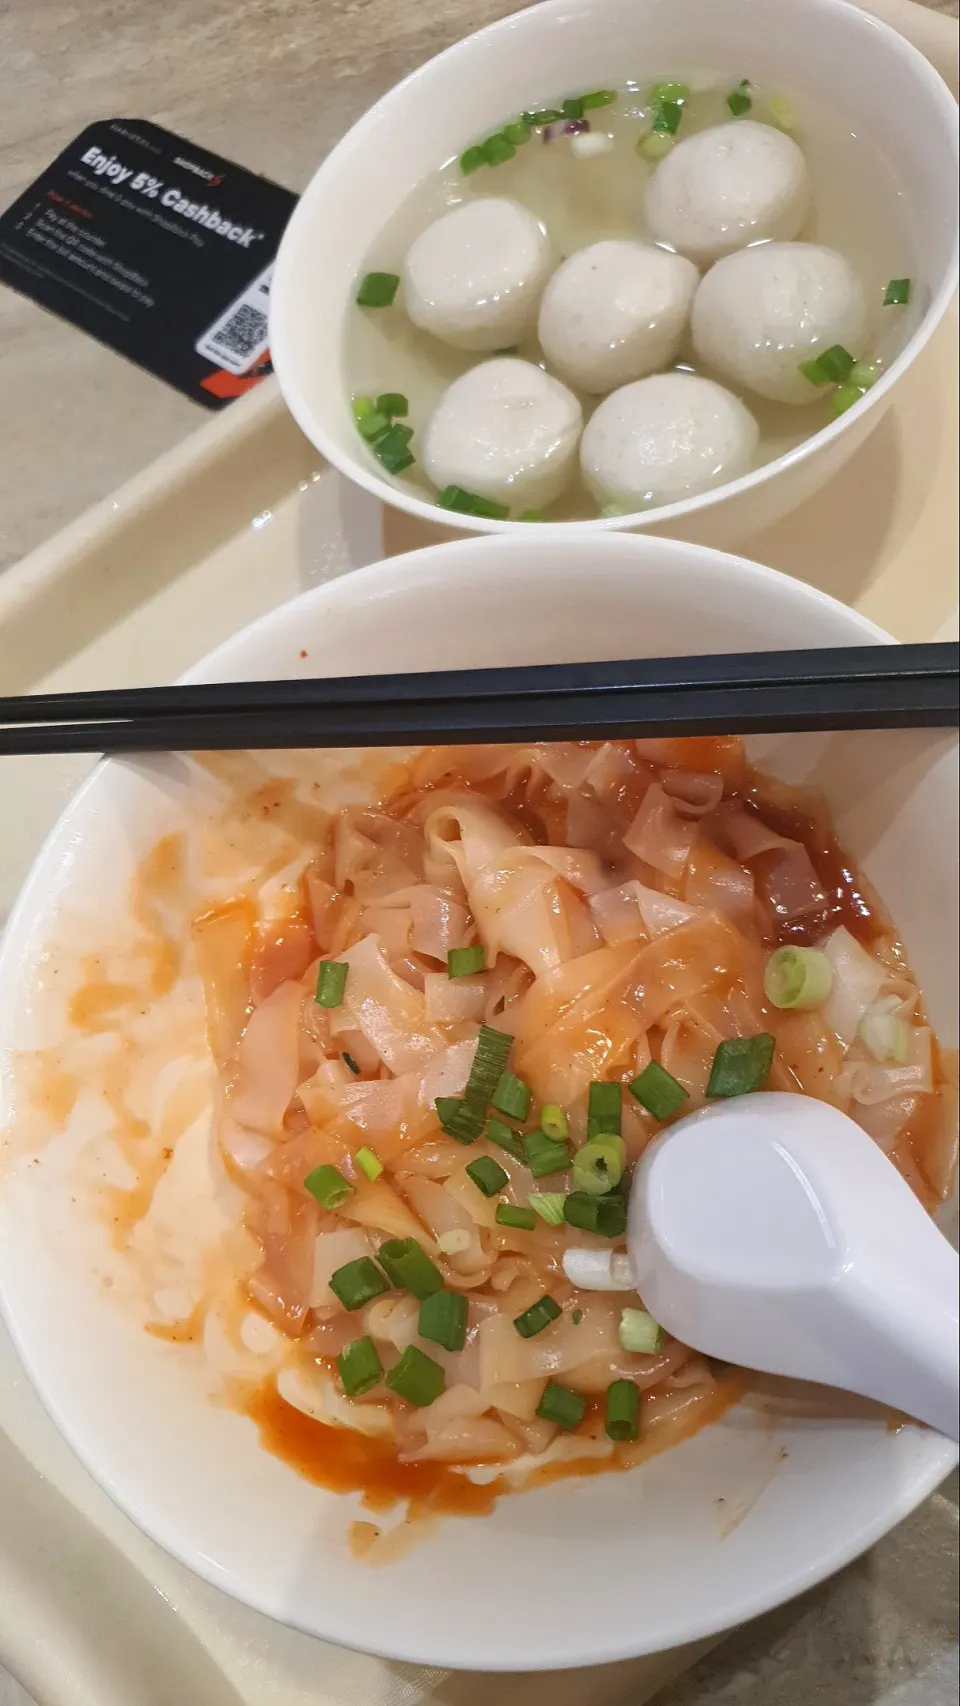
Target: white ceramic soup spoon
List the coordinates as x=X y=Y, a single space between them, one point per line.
x=772 y=1232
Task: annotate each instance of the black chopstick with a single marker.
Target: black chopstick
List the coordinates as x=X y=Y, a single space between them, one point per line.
x=883 y=687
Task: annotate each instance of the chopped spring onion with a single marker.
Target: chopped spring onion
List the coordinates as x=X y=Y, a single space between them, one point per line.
x=512 y=1097
x=373 y=425
x=559 y=1405
x=464 y=962
x=604 y=1109
x=538 y=1316
x=409 y=1268
x=517 y=133
x=546 y=115
x=598 y=1165
x=639 y=1332
x=488 y=1175
x=368 y=1163
x=351 y=1065
x=459 y=1118
x=577 y=1317
x=657 y=1090
x=454 y=1243
x=331 y=983
x=497 y=150
x=864 y=374
x=661 y=92
x=897 y=293
x=604 y=1215
x=622 y=1420
x=598 y=98
x=416 y=1377
x=496 y=1132
x=360 y=1367
x=741 y=1064
x=532 y=515
x=738 y=100
x=357 y=1283
x=845 y=396
x=443 y=1318
x=782 y=112
x=328 y=1186
x=652 y=147
x=549 y=1206
x=572 y=108
x=378 y=290
x=472 y=160
x=493 y=1047
x=797 y=978
x=362 y=406
x=508 y=1214
x=666 y=118
x=553 y=1121
x=393 y=403
x=831 y=367
x=543 y=1155
x=468 y=503
x=391 y=448
x=884 y=1034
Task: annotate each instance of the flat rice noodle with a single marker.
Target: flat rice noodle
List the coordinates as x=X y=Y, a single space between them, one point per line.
x=327 y=1338
x=506 y=1358
x=439 y=922
x=319 y=1396
x=569 y=1023
x=518 y=908
x=268 y=1061
x=463 y=1439
x=388 y=1011
x=333 y=1250
x=447 y=1072
x=464 y=836
x=281 y=955
x=857 y=980
x=435 y=1159
x=808 y=1050
x=289 y=1162
x=618 y=914
x=352 y=850
x=285 y=1224
x=376 y=1204
x=693 y=792
x=717 y=883
x=440 y=1212
x=610 y=768
x=596 y=1373
x=866 y=1081
x=723 y=753
x=321 y=898
x=224 y=942
x=784 y=870
x=391 y=925
x=686 y=1052
x=450 y=1000
x=517 y=1401
x=244 y=1151
x=660 y=836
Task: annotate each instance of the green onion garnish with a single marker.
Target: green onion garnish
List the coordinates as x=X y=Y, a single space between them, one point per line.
x=897 y=293
x=497 y=150
x=782 y=111
x=532 y=515
x=508 y=1214
x=741 y=1064
x=538 y=1316
x=572 y=108
x=493 y=1047
x=378 y=289
x=456 y=1242
x=472 y=159
x=392 y=403
x=553 y=1121
x=666 y=119
x=604 y=1109
x=577 y=1317
x=488 y=1175
x=622 y=1419
x=652 y=147
x=358 y=1283
x=351 y=1064
x=409 y=1268
x=598 y=1165
x=469 y=503
x=549 y=1206
x=459 y=1118
x=864 y=374
x=443 y=1318
x=362 y=406
x=884 y=1035
x=368 y=1163
x=561 y=1406
x=797 y=977
x=373 y=426
x=500 y=1134
x=831 y=367
x=604 y=1215
x=331 y=983
x=391 y=448
x=512 y=1097
x=360 y=1367
x=844 y=398
x=543 y=1155
x=658 y=1091
x=738 y=100
x=598 y=98
x=517 y=133
x=416 y=1377
x=328 y=1186
x=639 y=1332
x=675 y=92
x=546 y=115
x=463 y=962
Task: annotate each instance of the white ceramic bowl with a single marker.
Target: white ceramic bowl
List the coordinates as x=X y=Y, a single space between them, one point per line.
x=584 y=1571
x=826 y=48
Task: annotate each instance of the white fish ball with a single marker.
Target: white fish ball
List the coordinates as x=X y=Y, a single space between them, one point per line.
x=475 y=276
x=726 y=187
x=760 y=313
x=664 y=439
x=506 y=431
x=614 y=312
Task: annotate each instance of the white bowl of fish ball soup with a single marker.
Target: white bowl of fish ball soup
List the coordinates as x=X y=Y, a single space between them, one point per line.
x=319 y=1344
x=623 y=263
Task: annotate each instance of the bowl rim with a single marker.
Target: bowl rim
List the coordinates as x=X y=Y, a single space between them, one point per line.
x=933 y=1457
x=283 y=340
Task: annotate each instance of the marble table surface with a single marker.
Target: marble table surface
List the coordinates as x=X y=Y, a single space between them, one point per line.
x=272 y=84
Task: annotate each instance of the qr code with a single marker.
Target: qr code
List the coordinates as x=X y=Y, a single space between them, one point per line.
x=244 y=332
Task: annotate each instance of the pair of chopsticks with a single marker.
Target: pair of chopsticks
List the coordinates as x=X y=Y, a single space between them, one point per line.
x=856 y=687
